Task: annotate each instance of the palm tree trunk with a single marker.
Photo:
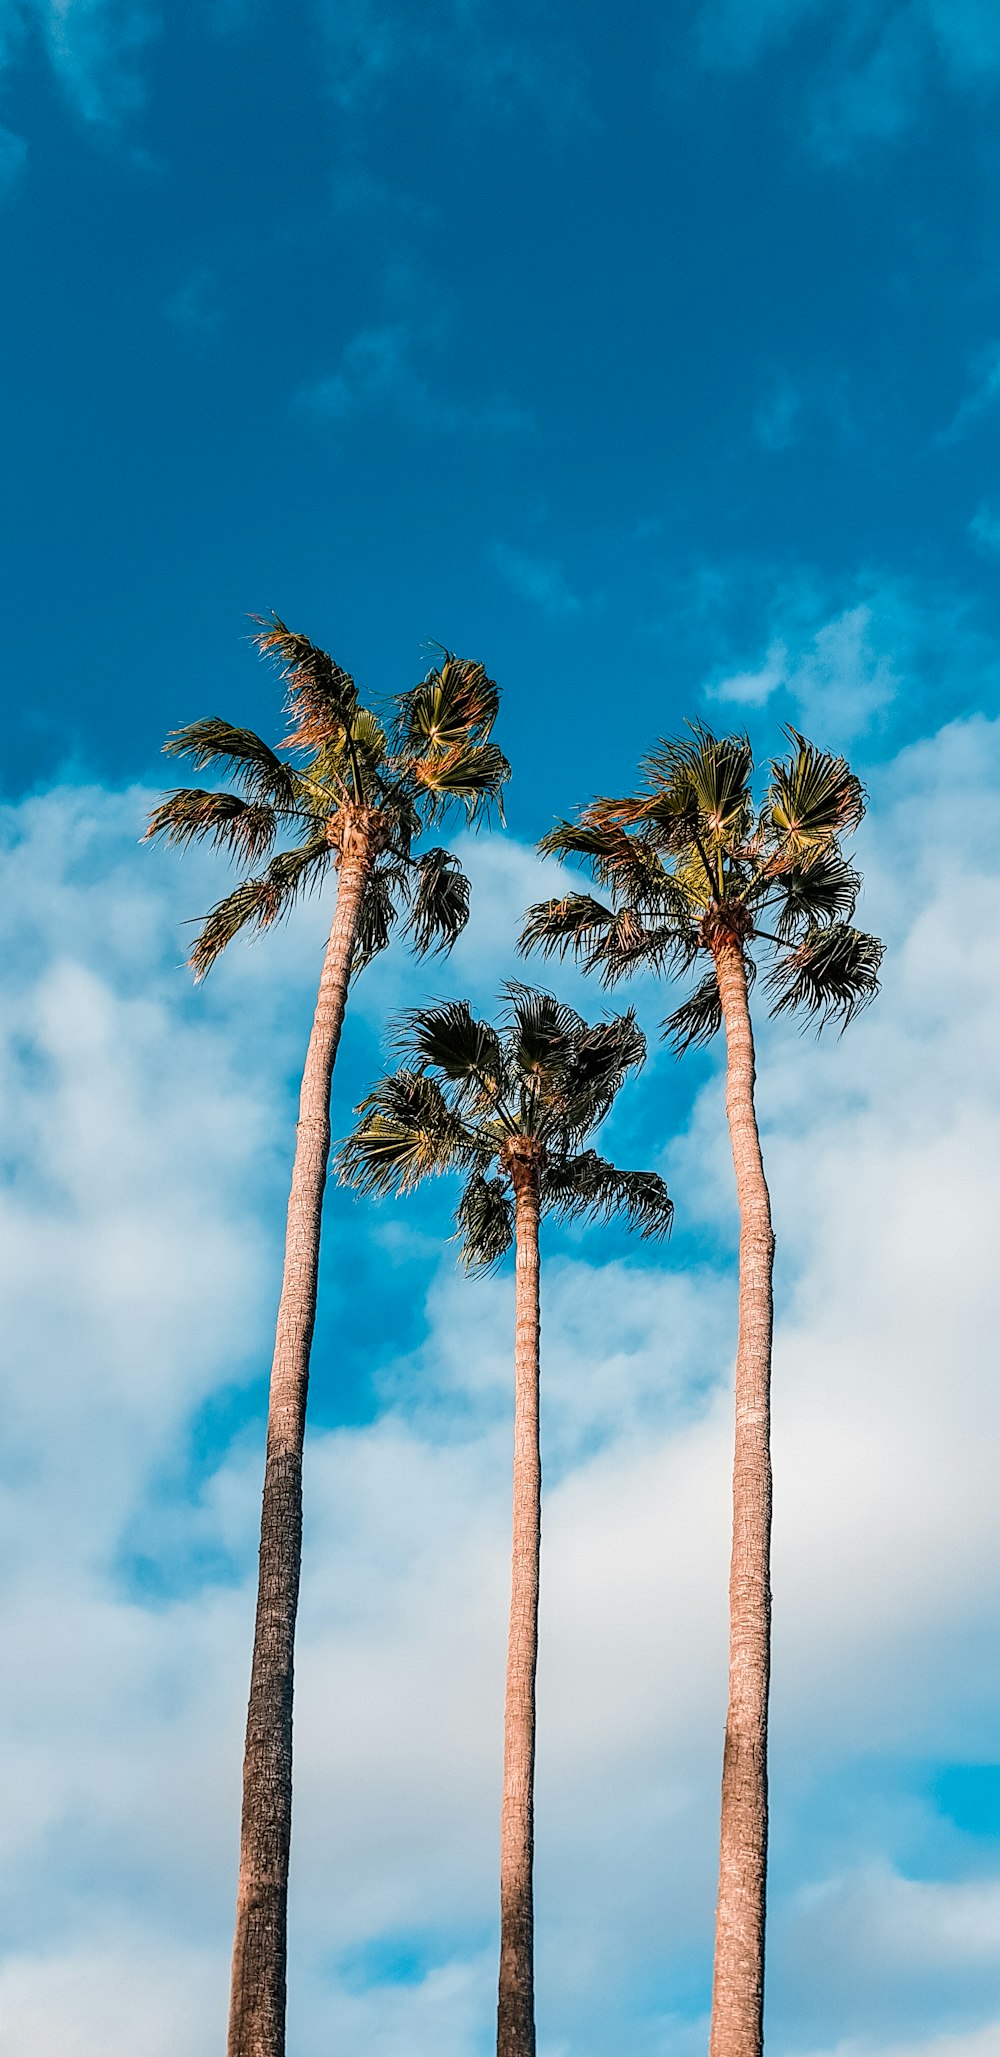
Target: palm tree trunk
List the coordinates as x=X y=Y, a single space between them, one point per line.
x=257 y=2002
x=738 y=1990
x=516 y=2002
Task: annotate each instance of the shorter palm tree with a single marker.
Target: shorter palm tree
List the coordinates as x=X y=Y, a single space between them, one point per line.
x=511 y=1109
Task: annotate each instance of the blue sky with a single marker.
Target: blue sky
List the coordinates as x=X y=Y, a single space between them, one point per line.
x=657 y=362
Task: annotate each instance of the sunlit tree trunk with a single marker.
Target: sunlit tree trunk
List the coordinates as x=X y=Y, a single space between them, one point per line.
x=257 y=2004
x=738 y=1988
x=516 y=2004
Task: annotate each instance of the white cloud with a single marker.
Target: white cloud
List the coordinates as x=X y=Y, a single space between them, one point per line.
x=839 y=679
x=140 y=1119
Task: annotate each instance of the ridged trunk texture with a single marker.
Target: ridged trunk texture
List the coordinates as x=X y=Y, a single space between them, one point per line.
x=738 y=1987
x=257 y=2003
x=516 y=2002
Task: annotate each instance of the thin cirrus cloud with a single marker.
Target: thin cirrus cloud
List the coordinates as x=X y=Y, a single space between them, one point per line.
x=470 y=47
x=380 y=372
x=848 y=663
x=95 y=48
x=870 y=66
x=145 y=1144
x=539 y=580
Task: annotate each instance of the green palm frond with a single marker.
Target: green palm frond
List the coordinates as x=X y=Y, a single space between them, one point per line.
x=456 y=704
x=697 y=1019
x=542 y=1033
x=484 y=1220
x=474 y=774
x=376 y=917
x=588 y=1187
x=832 y=974
x=815 y=893
x=406 y=1132
x=813 y=798
x=254 y=766
x=448 y=1038
x=600 y=1059
x=245 y=827
x=700 y=783
x=322 y=697
x=575 y=923
x=439 y=908
x=259 y=902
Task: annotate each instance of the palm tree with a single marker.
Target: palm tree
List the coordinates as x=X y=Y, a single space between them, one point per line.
x=348 y=794
x=511 y=1110
x=694 y=869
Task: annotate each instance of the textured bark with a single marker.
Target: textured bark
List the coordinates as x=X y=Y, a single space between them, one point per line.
x=257 y=2003
x=516 y=2002
x=738 y=1987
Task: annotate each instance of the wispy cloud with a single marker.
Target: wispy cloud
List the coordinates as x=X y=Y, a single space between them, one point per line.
x=984 y=528
x=195 y=305
x=379 y=372
x=467 y=47
x=983 y=394
x=873 y=65
x=839 y=678
x=540 y=580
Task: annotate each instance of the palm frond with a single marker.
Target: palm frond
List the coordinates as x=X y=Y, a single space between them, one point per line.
x=812 y=799
x=697 y=1019
x=440 y=903
x=474 y=774
x=406 y=1132
x=573 y=923
x=255 y=767
x=601 y=1056
x=484 y=1220
x=259 y=902
x=831 y=975
x=322 y=697
x=457 y=703
x=245 y=827
x=700 y=782
x=588 y=1187
x=448 y=1038
x=815 y=892
x=376 y=916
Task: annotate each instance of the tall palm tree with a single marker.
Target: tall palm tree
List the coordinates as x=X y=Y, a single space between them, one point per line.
x=693 y=869
x=511 y=1110
x=347 y=794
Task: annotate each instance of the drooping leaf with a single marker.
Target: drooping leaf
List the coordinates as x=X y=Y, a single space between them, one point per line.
x=830 y=976
x=259 y=902
x=256 y=768
x=587 y=1186
x=245 y=827
x=484 y=1220
x=697 y=1019
x=439 y=909
x=406 y=1132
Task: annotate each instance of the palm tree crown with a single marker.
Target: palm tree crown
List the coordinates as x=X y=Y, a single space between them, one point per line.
x=504 y=1106
x=692 y=860
x=343 y=767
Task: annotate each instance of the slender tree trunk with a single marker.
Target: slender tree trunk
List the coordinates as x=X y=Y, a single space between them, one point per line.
x=516 y=2003
x=257 y=2003
x=738 y=1989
